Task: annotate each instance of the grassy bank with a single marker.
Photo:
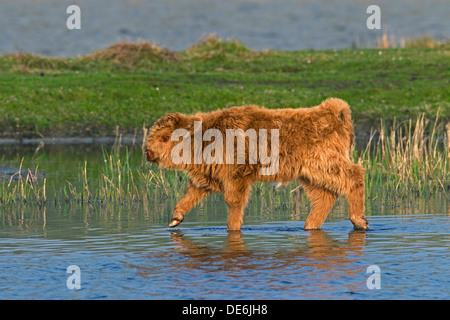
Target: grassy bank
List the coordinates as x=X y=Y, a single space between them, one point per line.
x=131 y=85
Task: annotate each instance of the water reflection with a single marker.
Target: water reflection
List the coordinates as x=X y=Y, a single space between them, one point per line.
x=129 y=253
x=319 y=249
x=126 y=251
x=305 y=264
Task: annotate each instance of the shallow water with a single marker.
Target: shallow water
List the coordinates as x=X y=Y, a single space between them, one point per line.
x=130 y=255
x=127 y=252
x=39 y=26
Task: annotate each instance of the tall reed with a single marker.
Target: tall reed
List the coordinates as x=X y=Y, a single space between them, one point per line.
x=120 y=181
x=411 y=157
x=408 y=158
x=24 y=186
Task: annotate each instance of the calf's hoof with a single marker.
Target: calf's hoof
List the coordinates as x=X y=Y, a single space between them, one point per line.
x=174 y=223
x=360 y=224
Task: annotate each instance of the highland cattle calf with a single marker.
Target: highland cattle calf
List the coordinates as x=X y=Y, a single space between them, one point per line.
x=228 y=150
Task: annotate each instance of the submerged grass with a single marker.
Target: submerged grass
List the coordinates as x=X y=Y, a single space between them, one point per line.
x=408 y=158
x=23 y=187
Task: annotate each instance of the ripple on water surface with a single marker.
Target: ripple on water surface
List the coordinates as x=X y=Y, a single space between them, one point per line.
x=268 y=260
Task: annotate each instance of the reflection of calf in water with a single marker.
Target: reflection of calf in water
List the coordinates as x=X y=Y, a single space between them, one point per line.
x=321 y=251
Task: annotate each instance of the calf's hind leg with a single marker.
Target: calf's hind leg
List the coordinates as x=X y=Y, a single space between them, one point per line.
x=323 y=188
x=322 y=201
x=355 y=198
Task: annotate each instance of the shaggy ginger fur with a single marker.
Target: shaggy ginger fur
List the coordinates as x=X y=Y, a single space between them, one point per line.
x=314 y=148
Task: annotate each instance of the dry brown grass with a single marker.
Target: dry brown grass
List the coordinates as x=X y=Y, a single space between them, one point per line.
x=210 y=46
x=422 y=42
x=386 y=41
x=26 y=63
x=410 y=157
x=133 y=54
x=391 y=41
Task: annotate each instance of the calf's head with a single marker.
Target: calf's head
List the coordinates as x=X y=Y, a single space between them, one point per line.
x=159 y=141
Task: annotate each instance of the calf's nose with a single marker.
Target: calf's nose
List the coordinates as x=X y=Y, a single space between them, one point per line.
x=149 y=155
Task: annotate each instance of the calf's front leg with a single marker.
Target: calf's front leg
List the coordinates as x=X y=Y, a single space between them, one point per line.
x=192 y=196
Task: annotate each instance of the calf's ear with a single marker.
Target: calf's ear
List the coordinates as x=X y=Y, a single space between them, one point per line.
x=178 y=120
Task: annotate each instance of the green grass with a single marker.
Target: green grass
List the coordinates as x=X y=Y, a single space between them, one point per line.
x=129 y=85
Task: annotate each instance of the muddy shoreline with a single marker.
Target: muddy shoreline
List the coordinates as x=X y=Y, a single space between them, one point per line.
x=99 y=140
x=360 y=140
x=70 y=140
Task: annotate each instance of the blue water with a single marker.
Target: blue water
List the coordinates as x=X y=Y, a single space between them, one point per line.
x=39 y=26
x=128 y=253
